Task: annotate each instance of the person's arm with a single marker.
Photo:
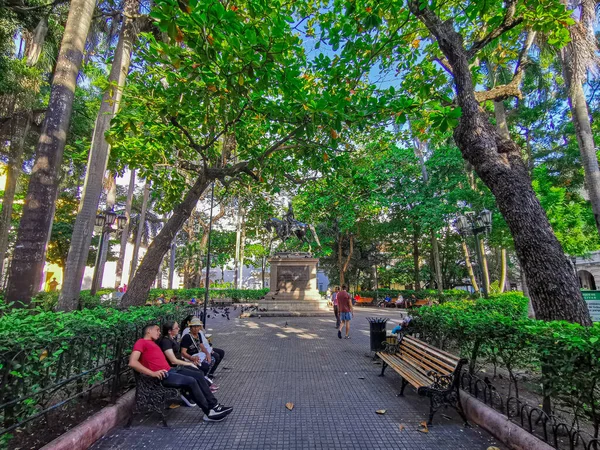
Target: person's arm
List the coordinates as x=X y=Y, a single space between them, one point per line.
x=135 y=364
x=206 y=352
x=170 y=354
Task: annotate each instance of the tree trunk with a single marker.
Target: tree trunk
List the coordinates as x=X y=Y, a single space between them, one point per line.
x=587 y=147
x=574 y=61
x=34 y=229
x=435 y=250
x=172 y=253
x=343 y=265
x=420 y=147
x=242 y=249
x=502 y=270
x=97 y=161
x=552 y=283
x=417 y=268
x=13 y=170
x=236 y=259
x=469 y=266
x=138 y=290
x=34 y=49
x=140 y=232
x=125 y=230
x=111 y=200
x=485 y=274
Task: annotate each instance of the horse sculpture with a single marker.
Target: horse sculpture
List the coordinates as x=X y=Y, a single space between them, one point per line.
x=288 y=227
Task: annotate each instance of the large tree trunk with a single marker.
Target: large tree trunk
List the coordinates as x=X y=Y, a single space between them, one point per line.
x=552 y=283
x=34 y=229
x=140 y=231
x=469 y=266
x=97 y=161
x=125 y=230
x=139 y=287
x=13 y=169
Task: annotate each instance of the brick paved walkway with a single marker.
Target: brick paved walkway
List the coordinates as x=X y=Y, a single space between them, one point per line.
x=268 y=364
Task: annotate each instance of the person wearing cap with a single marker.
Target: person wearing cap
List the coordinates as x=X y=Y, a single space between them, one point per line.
x=147 y=358
x=195 y=347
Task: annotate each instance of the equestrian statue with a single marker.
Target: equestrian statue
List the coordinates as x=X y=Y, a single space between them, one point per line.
x=288 y=227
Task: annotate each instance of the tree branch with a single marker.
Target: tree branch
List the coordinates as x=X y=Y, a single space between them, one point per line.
x=508 y=23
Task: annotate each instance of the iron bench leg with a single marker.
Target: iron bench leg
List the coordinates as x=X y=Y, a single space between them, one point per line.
x=383 y=366
x=404 y=384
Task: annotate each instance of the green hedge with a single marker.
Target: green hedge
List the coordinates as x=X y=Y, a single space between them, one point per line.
x=48 y=300
x=447 y=295
x=497 y=331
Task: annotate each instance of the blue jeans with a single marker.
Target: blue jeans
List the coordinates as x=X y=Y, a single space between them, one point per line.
x=192 y=381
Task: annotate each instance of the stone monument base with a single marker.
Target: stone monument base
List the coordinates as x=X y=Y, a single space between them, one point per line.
x=293 y=287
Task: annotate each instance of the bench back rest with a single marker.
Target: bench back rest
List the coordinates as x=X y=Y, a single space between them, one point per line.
x=424 y=357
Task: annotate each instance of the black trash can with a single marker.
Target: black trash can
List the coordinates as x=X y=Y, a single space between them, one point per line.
x=377 y=329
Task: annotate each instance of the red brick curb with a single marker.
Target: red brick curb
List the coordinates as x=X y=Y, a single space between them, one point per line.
x=86 y=433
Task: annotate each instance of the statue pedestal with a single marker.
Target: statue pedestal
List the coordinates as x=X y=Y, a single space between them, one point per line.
x=293 y=287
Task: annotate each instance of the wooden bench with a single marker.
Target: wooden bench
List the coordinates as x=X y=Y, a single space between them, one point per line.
x=433 y=372
x=222 y=302
x=420 y=303
x=364 y=301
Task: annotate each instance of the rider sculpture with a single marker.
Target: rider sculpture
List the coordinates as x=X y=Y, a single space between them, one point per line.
x=289 y=226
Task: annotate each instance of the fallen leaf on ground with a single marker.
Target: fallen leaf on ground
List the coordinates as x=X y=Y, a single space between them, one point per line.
x=289 y=405
x=401 y=426
x=381 y=411
x=423 y=427
x=174 y=406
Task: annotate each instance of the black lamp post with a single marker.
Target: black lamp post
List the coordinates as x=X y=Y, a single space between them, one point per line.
x=105 y=221
x=476 y=225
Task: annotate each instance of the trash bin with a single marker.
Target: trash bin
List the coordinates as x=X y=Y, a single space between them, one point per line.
x=377 y=329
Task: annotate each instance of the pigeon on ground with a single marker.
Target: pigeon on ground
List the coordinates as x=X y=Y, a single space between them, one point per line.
x=285 y=324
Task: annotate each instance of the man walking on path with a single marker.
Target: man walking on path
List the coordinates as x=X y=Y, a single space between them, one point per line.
x=345 y=311
x=336 y=311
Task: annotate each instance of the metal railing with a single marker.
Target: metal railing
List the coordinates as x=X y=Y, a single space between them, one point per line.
x=549 y=428
x=36 y=381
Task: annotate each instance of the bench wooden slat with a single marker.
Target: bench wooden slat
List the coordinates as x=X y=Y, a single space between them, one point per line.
x=415 y=378
x=447 y=357
x=426 y=360
x=421 y=363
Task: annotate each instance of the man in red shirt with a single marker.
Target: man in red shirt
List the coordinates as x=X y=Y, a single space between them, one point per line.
x=147 y=358
x=345 y=310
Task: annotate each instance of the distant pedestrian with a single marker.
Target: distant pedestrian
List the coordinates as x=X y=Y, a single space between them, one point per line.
x=336 y=311
x=345 y=309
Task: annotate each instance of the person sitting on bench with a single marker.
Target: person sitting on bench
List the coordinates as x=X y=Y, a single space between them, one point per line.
x=195 y=347
x=148 y=359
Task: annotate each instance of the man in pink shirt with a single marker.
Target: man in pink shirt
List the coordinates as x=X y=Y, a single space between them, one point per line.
x=345 y=309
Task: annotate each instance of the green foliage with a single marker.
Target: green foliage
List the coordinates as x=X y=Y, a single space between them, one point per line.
x=497 y=329
x=237 y=295
x=447 y=295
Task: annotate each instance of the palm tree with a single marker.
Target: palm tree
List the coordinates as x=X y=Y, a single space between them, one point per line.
x=34 y=229
x=98 y=159
x=577 y=57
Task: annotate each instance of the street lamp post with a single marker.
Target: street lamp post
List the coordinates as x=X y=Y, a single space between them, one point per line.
x=476 y=225
x=105 y=221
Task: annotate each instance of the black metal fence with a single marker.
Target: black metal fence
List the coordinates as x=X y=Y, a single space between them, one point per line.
x=551 y=429
x=39 y=379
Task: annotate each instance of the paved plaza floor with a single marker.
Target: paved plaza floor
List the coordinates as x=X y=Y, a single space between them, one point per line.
x=332 y=383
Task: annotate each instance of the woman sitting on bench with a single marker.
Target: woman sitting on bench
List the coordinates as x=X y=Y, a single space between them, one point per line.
x=196 y=348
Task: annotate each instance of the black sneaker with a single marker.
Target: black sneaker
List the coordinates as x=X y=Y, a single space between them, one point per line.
x=217 y=414
x=220 y=409
x=339 y=334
